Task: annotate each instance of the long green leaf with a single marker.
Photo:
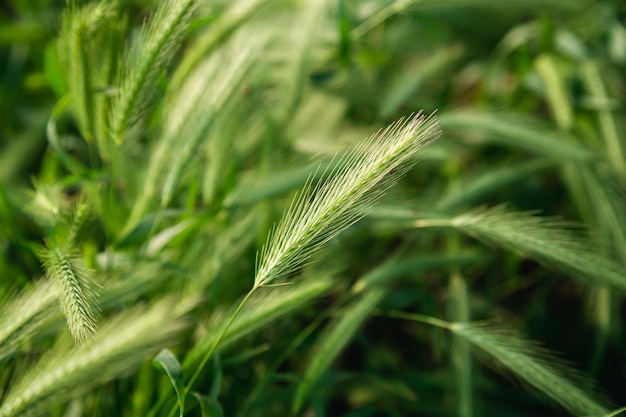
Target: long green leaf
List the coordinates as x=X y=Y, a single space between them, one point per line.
x=335 y=339
x=174 y=371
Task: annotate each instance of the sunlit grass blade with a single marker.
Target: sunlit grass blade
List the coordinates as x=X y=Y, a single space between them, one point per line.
x=548 y=68
x=614 y=147
x=167 y=360
x=148 y=55
x=321 y=212
x=254 y=189
x=380 y=14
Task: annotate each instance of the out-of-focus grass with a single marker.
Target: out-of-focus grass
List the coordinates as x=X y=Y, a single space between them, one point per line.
x=149 y=148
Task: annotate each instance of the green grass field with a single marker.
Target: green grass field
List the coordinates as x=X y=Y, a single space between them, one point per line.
x=312 y=208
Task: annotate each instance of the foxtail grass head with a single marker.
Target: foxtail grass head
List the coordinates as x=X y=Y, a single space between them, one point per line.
x=321 y=211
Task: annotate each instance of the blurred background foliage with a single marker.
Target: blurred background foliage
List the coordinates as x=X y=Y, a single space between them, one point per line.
x=530 y=99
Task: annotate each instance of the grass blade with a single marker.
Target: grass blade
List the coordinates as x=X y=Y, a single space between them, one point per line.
x=470 y=190
x=592 y=78
x=461 y=355
x=174 y=371
x=336 y=338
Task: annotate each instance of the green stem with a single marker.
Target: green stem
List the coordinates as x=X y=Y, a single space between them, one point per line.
x=260 y=386
x=379 y=17
x=433 y=321
x=209 y=353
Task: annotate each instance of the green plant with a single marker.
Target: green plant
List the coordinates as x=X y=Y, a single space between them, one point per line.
x=204 y=231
